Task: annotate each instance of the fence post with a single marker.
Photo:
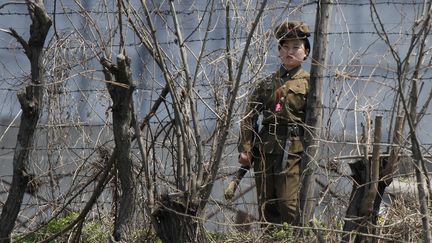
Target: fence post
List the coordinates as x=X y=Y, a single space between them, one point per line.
x=314 y=111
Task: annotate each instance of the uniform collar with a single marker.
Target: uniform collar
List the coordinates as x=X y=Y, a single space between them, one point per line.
x=288 y=73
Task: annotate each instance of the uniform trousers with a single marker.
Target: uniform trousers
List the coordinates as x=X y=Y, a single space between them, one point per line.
x=277 y=187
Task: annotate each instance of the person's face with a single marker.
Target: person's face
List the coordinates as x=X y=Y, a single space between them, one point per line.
x=292 y=53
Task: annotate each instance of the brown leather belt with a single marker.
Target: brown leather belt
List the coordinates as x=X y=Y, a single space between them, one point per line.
x=284 y=130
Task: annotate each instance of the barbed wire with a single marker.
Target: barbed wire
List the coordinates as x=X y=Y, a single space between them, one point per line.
x=94 y=125
x=189 y=12
x=7 y=149
x=174 y=42
x=193 y=11
x=358 y=78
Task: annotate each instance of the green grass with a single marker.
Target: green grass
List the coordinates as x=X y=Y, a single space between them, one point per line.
x=93 y=232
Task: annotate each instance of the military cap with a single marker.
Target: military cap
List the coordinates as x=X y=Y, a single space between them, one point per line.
x=292 y=30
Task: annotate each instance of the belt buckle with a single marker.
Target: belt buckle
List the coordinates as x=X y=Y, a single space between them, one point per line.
x=272 y=129
x=294 y=130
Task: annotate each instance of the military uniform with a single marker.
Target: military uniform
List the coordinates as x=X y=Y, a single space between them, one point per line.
x=281 y=99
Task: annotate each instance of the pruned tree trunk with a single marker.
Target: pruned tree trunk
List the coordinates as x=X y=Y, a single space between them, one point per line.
x=121 y=94
x=176 y=221
x=371 y=178
x=31 y=104
x=365 y=187
x=388 y=168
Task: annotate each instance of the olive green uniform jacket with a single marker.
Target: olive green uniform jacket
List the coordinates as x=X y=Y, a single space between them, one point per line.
x=281 y=99
x=289 y=88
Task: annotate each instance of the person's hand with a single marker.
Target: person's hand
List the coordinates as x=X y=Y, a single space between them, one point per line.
x=245 y=158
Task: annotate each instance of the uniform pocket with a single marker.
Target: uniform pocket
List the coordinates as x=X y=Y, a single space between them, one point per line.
x=297 y=89
x=296 y=98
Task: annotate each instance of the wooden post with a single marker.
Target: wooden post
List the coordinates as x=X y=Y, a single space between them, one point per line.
x=374 y=169
x=309 y=162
